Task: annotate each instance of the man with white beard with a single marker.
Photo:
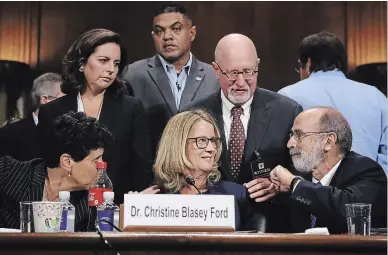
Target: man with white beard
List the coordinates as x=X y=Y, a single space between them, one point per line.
x=319 y=144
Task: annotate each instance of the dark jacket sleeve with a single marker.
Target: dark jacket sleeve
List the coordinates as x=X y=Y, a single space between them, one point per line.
x=44 y=127
x=6 y=146
x=141 y=153
x=250 y=219
x=329 y=201
x=4 y=172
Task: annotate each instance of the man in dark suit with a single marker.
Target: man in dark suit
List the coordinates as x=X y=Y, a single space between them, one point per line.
x=19 y=140
x=172 y=78
x=320 y=144
x=254 y=123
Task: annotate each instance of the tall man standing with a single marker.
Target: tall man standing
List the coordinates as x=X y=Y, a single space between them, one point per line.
x=322 y=68
x=254 y=123
x=173 y=77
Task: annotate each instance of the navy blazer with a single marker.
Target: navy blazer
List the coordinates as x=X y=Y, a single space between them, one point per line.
x=245 y=217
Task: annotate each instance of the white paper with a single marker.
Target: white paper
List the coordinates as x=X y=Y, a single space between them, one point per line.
x=179 y=210
x=315 y=231
x=10 y=230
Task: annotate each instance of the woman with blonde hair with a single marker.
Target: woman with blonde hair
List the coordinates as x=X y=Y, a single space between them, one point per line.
x=189 y=151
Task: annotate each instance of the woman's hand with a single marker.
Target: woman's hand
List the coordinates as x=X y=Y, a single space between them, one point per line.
x=151 y=190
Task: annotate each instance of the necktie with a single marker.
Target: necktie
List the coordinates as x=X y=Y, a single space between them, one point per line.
x=236 y=142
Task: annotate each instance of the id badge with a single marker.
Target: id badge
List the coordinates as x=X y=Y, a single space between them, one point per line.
x=258 y=167
x=259 y=170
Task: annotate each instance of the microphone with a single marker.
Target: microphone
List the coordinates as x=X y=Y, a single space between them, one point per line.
x=190 y=180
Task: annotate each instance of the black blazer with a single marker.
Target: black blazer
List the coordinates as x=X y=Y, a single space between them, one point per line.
x=129 y=159
x=20 y=140
x=358 y=179
x=246 y=218
x=147 y=80
x=271 y=119
x=24 y=181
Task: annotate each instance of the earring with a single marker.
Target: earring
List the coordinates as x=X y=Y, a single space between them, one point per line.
x=69 y=174
x=81 y=69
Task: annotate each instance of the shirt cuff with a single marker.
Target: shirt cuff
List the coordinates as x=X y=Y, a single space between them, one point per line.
x=296 y=184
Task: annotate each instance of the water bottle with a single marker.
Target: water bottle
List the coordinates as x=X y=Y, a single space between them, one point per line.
x=108 y=211
x=68 y=214
x=103 y=184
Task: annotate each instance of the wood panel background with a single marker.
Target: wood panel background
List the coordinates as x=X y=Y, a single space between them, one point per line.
x=276 y=28
x=39 y=33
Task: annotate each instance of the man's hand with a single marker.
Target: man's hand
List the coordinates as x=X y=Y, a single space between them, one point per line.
x=260 y=189
x=281 y=178
x=151 y=190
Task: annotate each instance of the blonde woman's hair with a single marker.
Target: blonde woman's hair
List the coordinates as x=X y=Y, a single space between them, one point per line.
x=171 y=158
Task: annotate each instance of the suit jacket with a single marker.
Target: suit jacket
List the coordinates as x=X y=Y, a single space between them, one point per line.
x=24 y=181
x=129 y=158
x=271 y=119
x=147 y=80
x=245 y=217
x=20 y=140
x=358 y=179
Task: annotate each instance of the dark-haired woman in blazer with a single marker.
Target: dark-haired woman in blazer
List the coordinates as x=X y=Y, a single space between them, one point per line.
x=90 y=73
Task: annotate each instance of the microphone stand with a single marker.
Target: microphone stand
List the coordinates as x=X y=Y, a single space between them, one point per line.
x=190 y=180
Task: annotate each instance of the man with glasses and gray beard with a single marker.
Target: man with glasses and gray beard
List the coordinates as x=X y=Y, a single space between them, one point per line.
x=319 y=145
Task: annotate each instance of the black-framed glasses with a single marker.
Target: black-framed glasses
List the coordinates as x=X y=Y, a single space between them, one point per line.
x=233 y=74
x=300 y=135
x=202 y=141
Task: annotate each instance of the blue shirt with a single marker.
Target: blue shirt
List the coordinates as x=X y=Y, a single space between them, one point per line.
x=177 y=81
x=364 y=107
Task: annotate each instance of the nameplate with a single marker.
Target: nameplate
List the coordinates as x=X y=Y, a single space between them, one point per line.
x=165 y=210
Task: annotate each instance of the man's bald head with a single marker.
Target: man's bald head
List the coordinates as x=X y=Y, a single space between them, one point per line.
x=233 y=45
x=236 y=66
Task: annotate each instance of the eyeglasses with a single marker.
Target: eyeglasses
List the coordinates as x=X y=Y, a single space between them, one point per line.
x=233 y=74
x=202 y=141
x=300 y=135
x=50 y=97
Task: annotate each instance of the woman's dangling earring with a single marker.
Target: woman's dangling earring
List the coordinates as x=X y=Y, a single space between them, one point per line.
x=69 y=174
x=81 y=69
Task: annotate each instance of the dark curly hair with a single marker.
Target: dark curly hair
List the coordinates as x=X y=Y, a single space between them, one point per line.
x=76 y=134
x=78 y=54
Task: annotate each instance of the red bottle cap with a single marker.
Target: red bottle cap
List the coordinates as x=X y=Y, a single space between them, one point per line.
x=101 y=165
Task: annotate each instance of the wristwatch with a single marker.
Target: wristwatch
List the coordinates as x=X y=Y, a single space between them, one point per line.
x=294 y=181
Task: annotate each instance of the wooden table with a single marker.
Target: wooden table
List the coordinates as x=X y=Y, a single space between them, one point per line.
x=190 y=243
